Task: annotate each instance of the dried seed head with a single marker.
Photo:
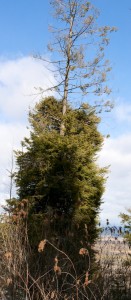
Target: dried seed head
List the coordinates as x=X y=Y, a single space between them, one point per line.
x=56 y=260
x=41 y=245
x=57 y=269
x=83 y=251
x=9 y=281
x=53 y=295
x=8 y=255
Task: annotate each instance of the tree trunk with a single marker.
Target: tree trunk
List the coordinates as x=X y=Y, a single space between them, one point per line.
x=64 y=108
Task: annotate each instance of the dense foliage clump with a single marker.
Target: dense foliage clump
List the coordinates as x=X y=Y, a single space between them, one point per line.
x=59 y=174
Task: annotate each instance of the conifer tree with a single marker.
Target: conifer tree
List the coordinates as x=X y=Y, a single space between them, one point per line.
x=126 y=220
x=59 y=184
x=59 y=175
x=57 y=170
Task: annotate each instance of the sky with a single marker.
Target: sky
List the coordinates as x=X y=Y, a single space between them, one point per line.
x=24 y=33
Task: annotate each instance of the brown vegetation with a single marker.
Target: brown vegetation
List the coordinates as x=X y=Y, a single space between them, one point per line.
x=23 y=275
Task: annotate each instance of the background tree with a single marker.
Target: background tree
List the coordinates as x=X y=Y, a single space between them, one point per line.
x=126 y=220
x=79 y=44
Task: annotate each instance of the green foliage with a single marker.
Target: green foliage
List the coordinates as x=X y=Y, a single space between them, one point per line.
x=126 y=220
x=59 y=174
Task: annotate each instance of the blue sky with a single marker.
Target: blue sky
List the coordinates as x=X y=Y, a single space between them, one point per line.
x=23 y=26
x=24 y=32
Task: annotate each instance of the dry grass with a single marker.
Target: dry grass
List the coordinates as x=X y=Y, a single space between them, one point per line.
x=23 y=275
x=114 y=258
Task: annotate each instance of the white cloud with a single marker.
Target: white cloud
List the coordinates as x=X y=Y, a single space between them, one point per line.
x=117 y=153
x=10 y=137
x=18 y=78
x=122 y=111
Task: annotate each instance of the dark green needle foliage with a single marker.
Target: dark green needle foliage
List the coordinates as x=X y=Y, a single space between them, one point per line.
x=59 y=174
